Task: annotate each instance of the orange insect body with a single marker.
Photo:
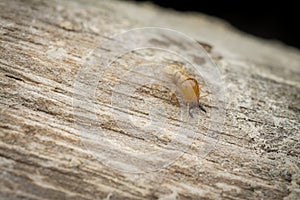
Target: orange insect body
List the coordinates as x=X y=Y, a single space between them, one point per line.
x=187 y=87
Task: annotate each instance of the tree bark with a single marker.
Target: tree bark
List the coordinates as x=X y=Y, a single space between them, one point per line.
x=76 y=129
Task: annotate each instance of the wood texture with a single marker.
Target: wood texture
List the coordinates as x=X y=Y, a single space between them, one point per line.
x=46 y=154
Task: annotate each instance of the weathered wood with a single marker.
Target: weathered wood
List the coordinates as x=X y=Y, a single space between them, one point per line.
x=46 y=151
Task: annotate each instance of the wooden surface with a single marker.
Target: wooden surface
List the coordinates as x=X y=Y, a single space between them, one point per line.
x=65 y=133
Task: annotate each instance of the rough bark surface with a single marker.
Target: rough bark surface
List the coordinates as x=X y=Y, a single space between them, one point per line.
x=43 y=151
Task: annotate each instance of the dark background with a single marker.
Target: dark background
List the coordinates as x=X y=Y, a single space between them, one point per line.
x=271 y=20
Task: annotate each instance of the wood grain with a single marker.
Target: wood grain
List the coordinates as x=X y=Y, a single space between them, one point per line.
x=46 y=146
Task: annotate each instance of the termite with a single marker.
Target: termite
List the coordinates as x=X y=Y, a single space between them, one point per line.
x=186 y=86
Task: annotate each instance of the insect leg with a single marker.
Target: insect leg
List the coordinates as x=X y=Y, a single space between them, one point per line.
x=189 y=109
x=204 y=95
x=202 y=108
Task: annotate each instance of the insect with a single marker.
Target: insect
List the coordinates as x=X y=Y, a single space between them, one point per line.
x=186 y=86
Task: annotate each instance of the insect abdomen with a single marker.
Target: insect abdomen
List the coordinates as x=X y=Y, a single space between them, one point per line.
x=186 y=86
x=189 y=91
